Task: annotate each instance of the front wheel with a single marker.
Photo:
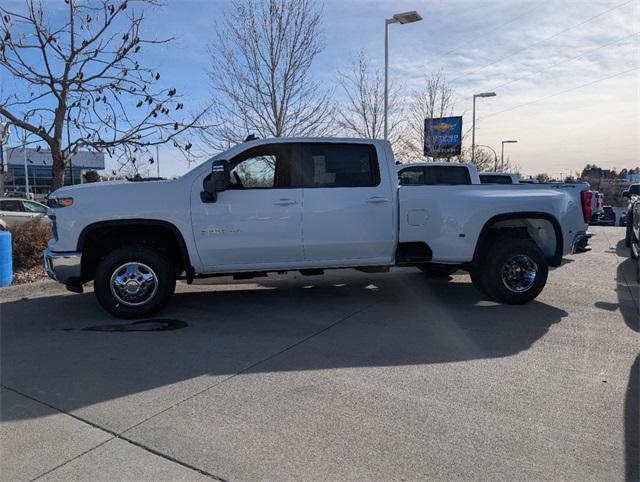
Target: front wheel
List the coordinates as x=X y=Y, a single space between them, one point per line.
x=515 y=271
x=134 y=282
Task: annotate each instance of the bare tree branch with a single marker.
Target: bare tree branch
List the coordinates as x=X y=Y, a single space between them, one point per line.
x=81 y=84
x=361 y=114
x=435 y=99
x=260 y=72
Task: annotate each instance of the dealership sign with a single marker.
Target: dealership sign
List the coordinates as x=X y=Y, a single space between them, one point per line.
x=443 y=137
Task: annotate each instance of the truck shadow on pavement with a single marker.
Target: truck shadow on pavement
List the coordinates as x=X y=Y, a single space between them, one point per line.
x=628 y=288
x=339 y=321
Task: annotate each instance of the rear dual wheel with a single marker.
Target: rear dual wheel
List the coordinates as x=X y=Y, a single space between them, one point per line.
x=512 y=271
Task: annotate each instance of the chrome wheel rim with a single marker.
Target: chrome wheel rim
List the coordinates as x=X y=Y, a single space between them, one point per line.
x=133 y=284
x=519 y=273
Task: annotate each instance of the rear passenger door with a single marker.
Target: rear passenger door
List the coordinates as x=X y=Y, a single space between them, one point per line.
x=348 y=213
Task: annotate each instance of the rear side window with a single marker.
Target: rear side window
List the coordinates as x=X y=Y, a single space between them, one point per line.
x=434 y=175
x=450 y=175
x=339 y=165
x=15 y=206
x=484 y=179
x=411 y=176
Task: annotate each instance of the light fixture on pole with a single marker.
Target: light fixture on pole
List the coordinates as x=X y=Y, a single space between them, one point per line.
x=511 y=141
x=401 y=18
x=473 y=124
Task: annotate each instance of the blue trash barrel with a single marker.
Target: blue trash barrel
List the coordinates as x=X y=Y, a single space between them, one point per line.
x=6 y=260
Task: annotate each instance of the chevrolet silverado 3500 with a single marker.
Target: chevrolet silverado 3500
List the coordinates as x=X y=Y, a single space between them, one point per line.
x=305 y=204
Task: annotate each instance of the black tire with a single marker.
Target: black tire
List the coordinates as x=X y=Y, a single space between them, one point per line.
x=139 y=259
x=514 y=252
x=438 y=270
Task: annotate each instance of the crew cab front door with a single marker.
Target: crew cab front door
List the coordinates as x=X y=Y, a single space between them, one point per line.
x=257 y=222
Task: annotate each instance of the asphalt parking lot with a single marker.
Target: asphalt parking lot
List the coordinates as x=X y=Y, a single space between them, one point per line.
x=344 y=376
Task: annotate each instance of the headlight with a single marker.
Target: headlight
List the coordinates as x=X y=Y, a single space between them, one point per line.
x=59 y=202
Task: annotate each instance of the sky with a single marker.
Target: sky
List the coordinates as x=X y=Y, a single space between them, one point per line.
x=566 y=72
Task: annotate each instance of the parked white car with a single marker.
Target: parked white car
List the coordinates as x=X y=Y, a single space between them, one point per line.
x=305 y=204
x=14 y=211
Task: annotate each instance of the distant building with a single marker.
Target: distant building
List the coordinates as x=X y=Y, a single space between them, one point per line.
x=633 y=177
x=39 y=166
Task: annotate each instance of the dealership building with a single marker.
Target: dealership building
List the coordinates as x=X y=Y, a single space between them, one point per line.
x=38 y=167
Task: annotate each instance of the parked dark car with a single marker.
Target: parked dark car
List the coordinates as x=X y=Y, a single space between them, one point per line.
x=632 y=239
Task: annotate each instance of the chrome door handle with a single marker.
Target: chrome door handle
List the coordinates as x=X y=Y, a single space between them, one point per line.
x=377 y=199
x=284 y=202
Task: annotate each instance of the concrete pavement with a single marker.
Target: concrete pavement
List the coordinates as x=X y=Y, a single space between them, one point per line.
x=343 y=376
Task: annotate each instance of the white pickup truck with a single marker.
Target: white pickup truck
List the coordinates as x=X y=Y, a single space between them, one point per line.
x=305 y=204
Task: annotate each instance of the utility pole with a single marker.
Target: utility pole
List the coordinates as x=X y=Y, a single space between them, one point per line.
x=4 y=138
x=26 y=169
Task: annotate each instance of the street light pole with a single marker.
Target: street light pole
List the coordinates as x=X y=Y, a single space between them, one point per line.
x=4 y=137
x=512 y=141
x=401 y=18
x=26 y=170
x=495 y=156
x=386 y=74
x=473 y=123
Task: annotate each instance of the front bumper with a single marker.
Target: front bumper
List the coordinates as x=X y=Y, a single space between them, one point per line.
x=63 y=267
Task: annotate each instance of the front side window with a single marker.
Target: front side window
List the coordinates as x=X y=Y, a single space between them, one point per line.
x=15 y=206
x=263 y=167
x=411 y=176
x=339 y=165
x=34 y=207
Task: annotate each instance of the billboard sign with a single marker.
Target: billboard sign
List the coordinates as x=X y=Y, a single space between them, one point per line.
x=443 y=137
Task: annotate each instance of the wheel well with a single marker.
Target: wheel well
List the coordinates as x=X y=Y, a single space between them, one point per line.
x=541 y=228
x=96 y=241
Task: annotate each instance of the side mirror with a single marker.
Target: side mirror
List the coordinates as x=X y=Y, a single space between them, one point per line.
x=626 y=194
x=215 y=182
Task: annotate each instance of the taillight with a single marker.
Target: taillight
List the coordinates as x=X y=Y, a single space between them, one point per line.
x=586 y=205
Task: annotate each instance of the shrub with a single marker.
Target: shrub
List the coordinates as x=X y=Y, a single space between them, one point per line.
x=29 y=241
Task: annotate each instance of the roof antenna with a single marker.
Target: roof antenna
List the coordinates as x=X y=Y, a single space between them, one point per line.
x=250 y=137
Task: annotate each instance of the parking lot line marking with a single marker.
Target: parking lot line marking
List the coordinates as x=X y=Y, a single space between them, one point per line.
x=114 y=435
